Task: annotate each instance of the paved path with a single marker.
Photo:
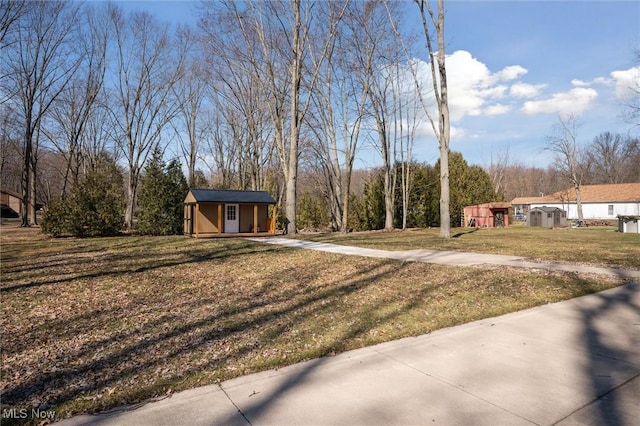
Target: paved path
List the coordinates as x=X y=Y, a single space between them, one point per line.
x=567 y=363
x=447 y=257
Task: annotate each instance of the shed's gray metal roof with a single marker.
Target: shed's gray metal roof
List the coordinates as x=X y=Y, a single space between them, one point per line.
x=546 y=209
x=230 y=196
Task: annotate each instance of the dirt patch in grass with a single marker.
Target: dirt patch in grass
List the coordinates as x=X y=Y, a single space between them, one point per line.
x=91 y=324
x=602 y=246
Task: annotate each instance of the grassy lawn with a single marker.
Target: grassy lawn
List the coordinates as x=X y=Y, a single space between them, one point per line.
x=90 y=324
x=598 y=245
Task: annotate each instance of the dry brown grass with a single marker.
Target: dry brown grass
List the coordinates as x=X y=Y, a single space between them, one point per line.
x=91 y=324
x=597 y=246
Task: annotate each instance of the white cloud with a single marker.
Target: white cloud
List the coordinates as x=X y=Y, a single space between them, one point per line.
x=525 y=90
x=512 y=72
x=627 y=81
x=599 y=80
x=497 y=109
x=579 y=83
x=575 y=101
x=471 y=84
x=457 y=132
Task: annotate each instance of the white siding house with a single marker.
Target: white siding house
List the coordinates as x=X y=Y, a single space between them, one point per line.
x=604 y=202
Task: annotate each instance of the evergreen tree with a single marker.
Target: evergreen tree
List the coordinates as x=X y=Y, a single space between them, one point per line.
x=95 y=207
x=374 y=207
x=162 y=191
x=177 y=189
x=469 y=185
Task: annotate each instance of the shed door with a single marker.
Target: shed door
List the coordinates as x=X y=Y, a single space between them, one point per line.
x=536 y=218
x=232 y=218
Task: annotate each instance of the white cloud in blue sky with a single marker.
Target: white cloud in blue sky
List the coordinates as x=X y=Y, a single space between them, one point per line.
x=515 y=67
x=526 y=90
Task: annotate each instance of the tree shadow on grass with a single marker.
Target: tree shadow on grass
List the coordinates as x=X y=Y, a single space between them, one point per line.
x=126 y=359
x=127 y=263
x=597 y=344
x=239 y=329
x=465 y=232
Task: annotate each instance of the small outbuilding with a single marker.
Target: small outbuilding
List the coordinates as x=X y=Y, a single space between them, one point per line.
x=11 y=203
x=629 y=224
x=487 y=215
x=217 y=213
x=547 y=217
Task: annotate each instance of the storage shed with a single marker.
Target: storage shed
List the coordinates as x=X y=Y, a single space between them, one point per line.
x=216 y=213
x=487 y=215
x=547 y=217
x=629 y=224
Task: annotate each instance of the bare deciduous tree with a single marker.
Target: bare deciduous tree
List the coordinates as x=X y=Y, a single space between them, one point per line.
x=613 y=158
x=148 y=65
x=190 y=126
x=37 y=67
x=497 y=169
x=341 y=106
x=441 y=125
x=384 y=109
x=569 y=156
x=283 y=34
x=10 y=13
x=75 y=106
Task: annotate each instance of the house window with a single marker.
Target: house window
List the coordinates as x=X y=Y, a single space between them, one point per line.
x=231 y=212
x=548 y=215
x=610 y=209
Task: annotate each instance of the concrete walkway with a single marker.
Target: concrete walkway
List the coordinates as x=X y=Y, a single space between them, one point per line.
x=454 y=258
x=567 y=363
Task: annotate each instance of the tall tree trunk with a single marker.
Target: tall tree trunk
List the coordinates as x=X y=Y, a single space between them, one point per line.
x=345 y=200
x=443 y=108
x=33 y=220
x=445 y=214
x=131 y=199
x=442 y=128
x=388 y=200
x=579 y=202
x=26 y=177
x=292 y=175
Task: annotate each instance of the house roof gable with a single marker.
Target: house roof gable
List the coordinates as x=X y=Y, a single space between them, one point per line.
x=608 y=193
x=229 y=196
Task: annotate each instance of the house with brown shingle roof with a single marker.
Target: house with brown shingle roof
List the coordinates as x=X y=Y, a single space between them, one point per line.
x=598 y=201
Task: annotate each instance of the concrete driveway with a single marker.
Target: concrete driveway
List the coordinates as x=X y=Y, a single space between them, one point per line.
x=454 y=258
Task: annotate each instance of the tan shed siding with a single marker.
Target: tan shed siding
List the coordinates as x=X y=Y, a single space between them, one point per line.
x=190 y=198
x=187 y=219
x=246 y=217
x=207 y=218
x=263 y=218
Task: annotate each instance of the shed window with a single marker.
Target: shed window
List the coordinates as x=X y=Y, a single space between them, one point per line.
x=548 y=215
x=231 y=212
x=610 y=209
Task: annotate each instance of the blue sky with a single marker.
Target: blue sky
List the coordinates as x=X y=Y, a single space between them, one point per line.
x=514 y=67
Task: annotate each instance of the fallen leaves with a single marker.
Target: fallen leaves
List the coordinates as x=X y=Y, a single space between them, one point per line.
x=90 y=324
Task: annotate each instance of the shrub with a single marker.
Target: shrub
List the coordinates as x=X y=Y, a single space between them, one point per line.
x=93 y=208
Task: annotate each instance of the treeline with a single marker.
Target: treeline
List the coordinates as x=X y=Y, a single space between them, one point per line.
x=274 y=96
x=95 y=205
x=240 y=99
x=417 y=205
